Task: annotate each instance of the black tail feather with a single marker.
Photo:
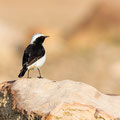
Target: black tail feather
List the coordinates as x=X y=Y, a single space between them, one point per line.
x=22 y=72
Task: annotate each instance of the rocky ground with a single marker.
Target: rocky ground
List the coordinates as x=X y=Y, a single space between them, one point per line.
x=43 y=99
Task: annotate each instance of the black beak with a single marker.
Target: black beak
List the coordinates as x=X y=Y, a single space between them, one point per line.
x=46 y=36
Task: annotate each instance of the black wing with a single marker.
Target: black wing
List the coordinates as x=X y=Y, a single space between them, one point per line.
x=32 y=53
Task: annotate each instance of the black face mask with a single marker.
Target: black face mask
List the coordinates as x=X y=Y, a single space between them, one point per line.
x=39 y=40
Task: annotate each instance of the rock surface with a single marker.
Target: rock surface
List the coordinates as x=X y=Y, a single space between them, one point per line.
x=43 y=99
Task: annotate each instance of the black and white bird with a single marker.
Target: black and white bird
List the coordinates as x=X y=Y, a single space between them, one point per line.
x=34 y=55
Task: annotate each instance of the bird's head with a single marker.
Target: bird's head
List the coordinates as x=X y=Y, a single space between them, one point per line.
x=38 y=38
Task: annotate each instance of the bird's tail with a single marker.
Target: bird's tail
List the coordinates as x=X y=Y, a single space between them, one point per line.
x=22 y=72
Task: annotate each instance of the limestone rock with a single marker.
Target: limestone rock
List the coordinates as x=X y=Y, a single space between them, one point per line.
x=43 y=99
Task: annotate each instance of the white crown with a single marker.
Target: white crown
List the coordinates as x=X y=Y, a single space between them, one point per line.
x=35 y=36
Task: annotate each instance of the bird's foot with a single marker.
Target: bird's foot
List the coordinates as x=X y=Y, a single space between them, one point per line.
x=39 y=77
x=28 y=77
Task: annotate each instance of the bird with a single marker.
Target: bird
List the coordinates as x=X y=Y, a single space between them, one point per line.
x=34 y=55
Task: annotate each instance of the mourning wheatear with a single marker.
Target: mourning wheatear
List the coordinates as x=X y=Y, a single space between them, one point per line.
x=34 y=55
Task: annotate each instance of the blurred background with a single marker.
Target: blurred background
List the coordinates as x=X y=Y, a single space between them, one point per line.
x=84 y=42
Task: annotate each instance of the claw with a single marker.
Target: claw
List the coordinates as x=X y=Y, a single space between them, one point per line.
x=39 y=77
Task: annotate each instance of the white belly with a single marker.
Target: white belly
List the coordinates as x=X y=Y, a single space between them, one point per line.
x=39 y=63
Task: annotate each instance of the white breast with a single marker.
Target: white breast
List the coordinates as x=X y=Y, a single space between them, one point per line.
x=39 y=63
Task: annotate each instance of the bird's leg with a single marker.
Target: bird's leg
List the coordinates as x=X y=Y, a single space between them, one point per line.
x=39 y=73
x=28 y=74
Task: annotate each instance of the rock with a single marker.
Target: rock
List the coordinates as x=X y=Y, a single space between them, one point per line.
x=43 y=99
